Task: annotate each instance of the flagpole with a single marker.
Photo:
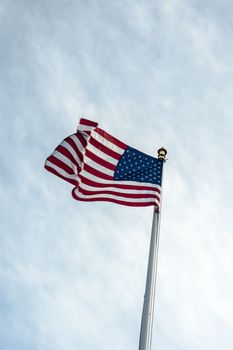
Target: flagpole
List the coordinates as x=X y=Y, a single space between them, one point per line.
x=149 y=297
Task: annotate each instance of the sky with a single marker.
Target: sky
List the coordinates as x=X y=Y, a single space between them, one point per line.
x=151 y=73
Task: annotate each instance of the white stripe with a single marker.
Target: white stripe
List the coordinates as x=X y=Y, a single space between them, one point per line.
x=71 y=150
x=61 y=171
x=84 y=128
x=101 y=154
x=124 y=199
x=107 y=143
x=89 y=176
x=97 y=166
x=116 y=189
x=66 y=160
x=77 y=142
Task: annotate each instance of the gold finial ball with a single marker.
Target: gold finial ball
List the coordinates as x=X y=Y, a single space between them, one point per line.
x=162 y=153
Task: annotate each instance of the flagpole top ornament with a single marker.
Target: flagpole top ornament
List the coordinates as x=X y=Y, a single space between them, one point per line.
x=162 y=152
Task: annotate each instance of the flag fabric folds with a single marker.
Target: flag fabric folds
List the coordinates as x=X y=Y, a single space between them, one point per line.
x=102 y=168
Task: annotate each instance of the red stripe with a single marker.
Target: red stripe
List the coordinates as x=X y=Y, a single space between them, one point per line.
x=81 y=138
x=116 y=185
x=97 y=173
x=126 y=195
x=111 y=138
x=51 y=170
x=61 y=149
x=87 y=122
x=130 y=204
x=61 y=165
x=75 y=148
x=99 y=160
x=104 y=149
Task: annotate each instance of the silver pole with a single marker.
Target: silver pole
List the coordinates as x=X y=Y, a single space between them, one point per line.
x=148 y=306
x=149 y=297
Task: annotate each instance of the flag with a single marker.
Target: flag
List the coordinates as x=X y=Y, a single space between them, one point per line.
x=102 y=168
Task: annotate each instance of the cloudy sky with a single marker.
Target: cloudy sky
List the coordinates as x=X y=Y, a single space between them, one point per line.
x=152 y=73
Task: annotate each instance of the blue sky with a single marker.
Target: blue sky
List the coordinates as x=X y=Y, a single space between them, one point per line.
x=72 y=275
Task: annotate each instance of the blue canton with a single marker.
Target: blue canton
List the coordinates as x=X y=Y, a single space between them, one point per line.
x=137 y=166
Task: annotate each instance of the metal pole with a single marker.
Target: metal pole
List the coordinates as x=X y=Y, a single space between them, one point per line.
x=149 y=297
x=148 y=306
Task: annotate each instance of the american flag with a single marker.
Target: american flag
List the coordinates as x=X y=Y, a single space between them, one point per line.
x=102 y=168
